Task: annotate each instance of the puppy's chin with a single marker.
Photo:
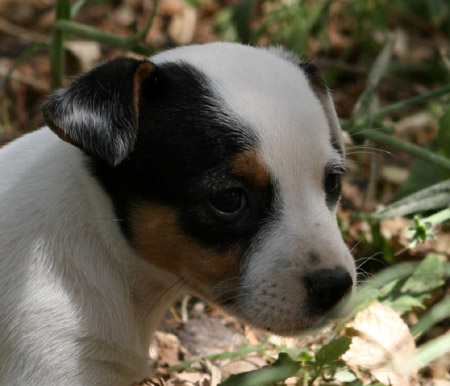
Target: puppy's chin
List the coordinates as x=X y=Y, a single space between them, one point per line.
x=293 y=322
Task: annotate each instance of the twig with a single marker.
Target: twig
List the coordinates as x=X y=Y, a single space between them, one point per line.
x=22 y=33
x=22 y=58
x=28 y=80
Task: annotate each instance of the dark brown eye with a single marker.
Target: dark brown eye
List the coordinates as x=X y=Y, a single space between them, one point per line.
x=228 y=202
x=332 y=185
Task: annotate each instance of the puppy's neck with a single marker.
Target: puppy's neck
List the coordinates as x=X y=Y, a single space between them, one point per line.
x=150 y=300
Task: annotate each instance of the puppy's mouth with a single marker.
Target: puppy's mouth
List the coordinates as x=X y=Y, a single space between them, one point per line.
x=281 y=319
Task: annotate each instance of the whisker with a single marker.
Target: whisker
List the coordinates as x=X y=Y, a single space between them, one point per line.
x=225 y=281
x=107 y=219
x=368 y=152
x=374 y=149
x=354 y=247
x=363 y=131
x=365 y=259
x=362 y=274
x=180 y=283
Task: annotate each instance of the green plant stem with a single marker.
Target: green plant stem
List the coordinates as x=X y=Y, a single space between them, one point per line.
x=76 y=7
x=428 y=352
x=90 y=33
x=437 y=218
x=447 y=269
x=240 y=352
x=150 y=20
x=366 y=99
x=57 y=45
x=410 y=148
x=410 y=102
x=366 y=293
x=439 y=312
x=22 y=58
x=397 y=271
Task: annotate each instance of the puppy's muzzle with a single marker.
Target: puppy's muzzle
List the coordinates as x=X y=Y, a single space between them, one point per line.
x=326 y=287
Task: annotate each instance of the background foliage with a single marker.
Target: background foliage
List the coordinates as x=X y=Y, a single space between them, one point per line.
x=388 y=64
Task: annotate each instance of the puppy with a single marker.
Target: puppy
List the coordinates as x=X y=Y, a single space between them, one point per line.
x=213 y=169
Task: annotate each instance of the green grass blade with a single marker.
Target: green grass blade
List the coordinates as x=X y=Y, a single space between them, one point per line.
x=411 y=102
x=240 y=352
x=149 y=23
x=76 y=7
x=439 y=312
x=407 y=147
x=57 y=45
x=95 y=34
x=22 y=58
x=434 y=197
x=284 y=367
x=376 y=73
x=428 y=352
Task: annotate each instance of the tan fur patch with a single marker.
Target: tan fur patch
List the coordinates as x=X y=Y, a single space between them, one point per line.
x=249 y=166
x=61 y=133
x=158 y=238
x=142 y=72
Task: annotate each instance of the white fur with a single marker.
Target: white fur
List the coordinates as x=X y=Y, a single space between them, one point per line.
x=71 y=309
x=66 y=315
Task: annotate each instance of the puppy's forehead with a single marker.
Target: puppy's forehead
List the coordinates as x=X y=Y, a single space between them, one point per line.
x=272 y=95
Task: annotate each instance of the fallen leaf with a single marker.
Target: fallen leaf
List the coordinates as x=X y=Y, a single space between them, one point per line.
x=168 y=348
x=381 y=339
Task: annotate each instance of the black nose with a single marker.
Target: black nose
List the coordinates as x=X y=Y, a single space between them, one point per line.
x=326 y=287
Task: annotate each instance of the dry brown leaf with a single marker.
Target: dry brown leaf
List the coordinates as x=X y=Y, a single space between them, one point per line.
x=190 y=379
x=249 y=363
x=168 y=348
x=381 y=340
x=182 y=26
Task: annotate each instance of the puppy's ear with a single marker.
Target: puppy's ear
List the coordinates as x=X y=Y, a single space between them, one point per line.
x=98 y=111
x=323 y=93
x=336 y=132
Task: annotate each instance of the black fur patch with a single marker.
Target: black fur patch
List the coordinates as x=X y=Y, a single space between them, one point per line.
x=186 y=143
x=332 y=184
x=96 y=112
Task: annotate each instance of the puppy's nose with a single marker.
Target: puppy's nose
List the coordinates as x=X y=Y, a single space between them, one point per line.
x=327 y=286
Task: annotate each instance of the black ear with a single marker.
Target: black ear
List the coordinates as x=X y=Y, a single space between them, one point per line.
x=98 y=111
x=323 y=93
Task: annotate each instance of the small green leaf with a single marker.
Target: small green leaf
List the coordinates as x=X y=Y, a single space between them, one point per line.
x=303 y=357
x=333 y=350
x=284 y=367
x=443 y=137
x=345 y=375
x=419 y=232
x=404 y=303
x=427 y=276
x=356 y=382
x=405 y=294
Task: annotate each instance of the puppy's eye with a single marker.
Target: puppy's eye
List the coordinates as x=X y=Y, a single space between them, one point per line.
x=332 y=186
x=332 y=183
x=228 y=203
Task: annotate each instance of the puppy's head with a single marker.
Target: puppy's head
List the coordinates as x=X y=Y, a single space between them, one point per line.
x=224 y=164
